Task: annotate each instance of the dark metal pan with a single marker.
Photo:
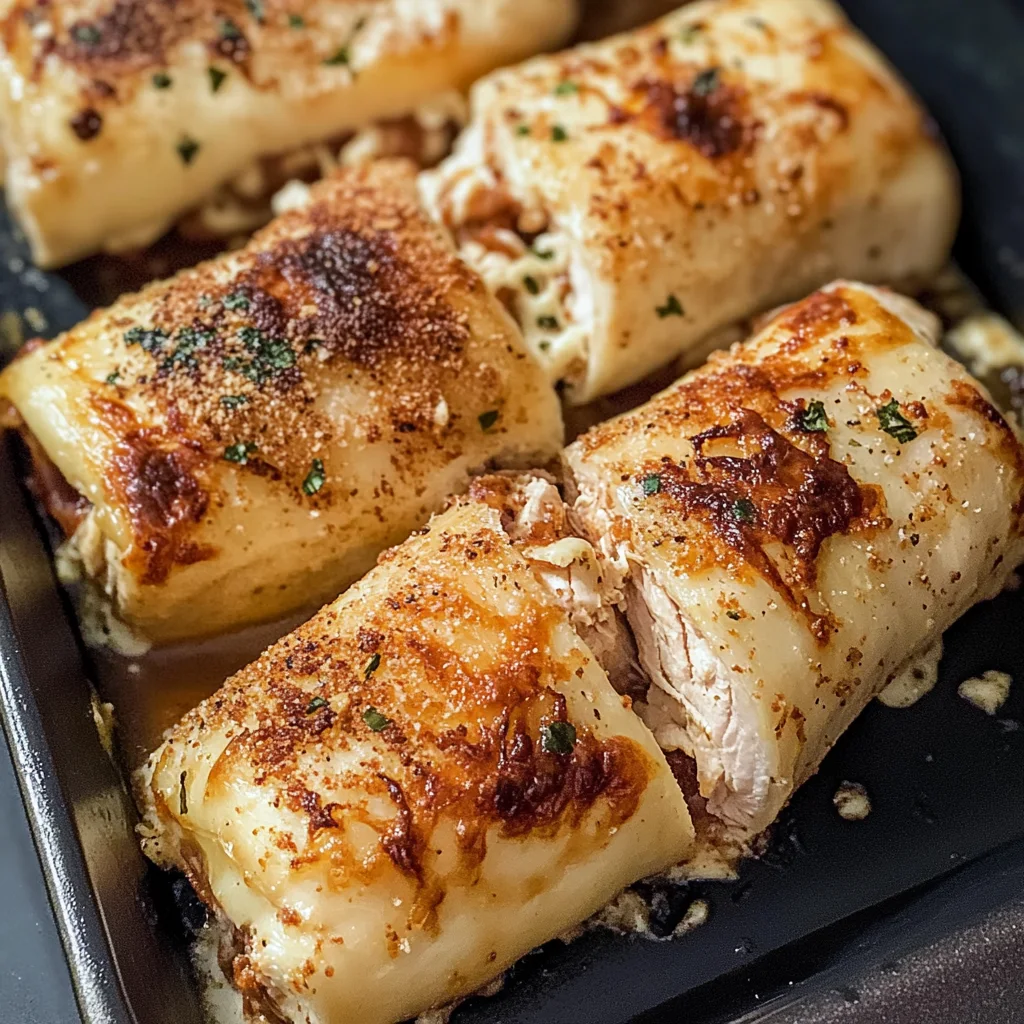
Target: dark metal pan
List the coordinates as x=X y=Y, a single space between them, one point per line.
x=914 y=915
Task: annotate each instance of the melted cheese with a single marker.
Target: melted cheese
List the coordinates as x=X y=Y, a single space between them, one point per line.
x=253 y=432
x=117 y=118
x=781 y=573
x=733 y=155
x=381 y=804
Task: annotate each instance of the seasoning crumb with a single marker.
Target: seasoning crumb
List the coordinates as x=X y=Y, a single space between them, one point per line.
x=914 y=680
x=988 y=692
x=697 y=913
x=852 y=801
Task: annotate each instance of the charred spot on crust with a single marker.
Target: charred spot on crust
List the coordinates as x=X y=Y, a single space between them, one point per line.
x=535 y=788
x=369 y=302
x=770 y=490
x=133 y=34
x=155 y=477
x=87 y=124
x=707 y=113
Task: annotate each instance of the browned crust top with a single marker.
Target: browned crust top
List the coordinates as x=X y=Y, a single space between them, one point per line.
x=763 y=491
x=358 y=292
x=444 y=730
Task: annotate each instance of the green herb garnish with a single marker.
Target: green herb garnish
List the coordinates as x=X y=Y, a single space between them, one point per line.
x=375 y=720
x=651 y=484
x=558 y=133
x=150 y=339
x=558 y=738
x=187 y=149
x=744 y=511
x=566 y=88
x=689 y=33
x=255 y=8
x=530 y=284
x=236 y=300
x=371 y=666
x=488 y=419
x=548 y=323
x=216 y=77
x=522 y=129
x=239 y=452
x=314 y=478
x=296 y=21
x=543 y=254
x=671 y=308
x=161 y=80
x=112 y=378
x=893 y=422
x=229 y=30
x=316 y=704
x=270 y=356
x=233 y=401
x=87 y=35
x=813 y=418
x=706 y=82
x=734 y=615
x=339 y=57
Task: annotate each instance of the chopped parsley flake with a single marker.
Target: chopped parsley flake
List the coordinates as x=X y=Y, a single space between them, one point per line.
x=296 y=21
x=566 y=88
x=522 y=129
x=743 y=510
x=375 y=720
x=270 y=356
x=87 y=35
x=548 y=323
x=488 y=419
x=314 y=478
x=236 y=300
x=339 y=57
x=530 y=284
x=161 y=80
x=187 y=149
x=112 y=378
x=558 y=133
x=543 y=254
x=229 y=30
x=216 y=77
x=189 y=341
x=233 y=401
x=182 y=795
x=651 y=484
x=706 y=82
x=813 y=418
x=151 y=340
x=255 y=8
x=544 y=345
x=671 y=308
x=316 y=704
x=734 y=615
x=558 y=738
x=239 y=452
x=894 y=423
x=690 y=33
x=371 y=666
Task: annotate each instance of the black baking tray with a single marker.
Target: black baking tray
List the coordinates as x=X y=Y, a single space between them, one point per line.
x=913 y=916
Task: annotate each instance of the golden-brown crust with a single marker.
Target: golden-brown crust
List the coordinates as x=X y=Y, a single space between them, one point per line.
x=769 y=491
x=758 y=478
x=357 y=280
x=464 y=744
